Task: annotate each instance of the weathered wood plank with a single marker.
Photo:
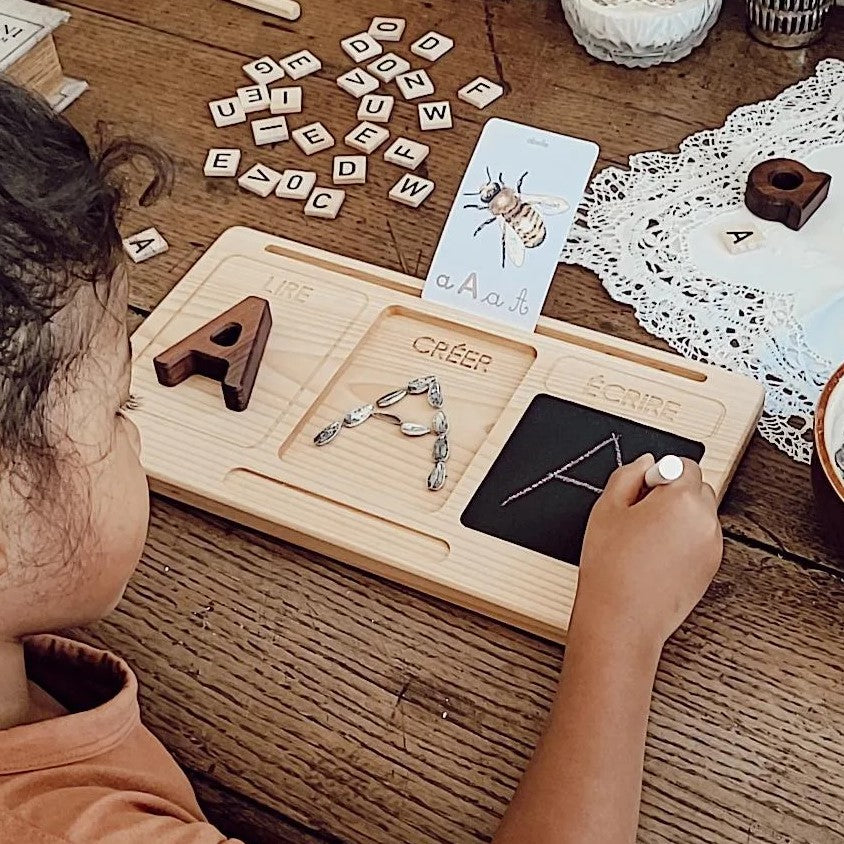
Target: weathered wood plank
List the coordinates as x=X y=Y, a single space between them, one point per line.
x=367 y=712
x=238 y=817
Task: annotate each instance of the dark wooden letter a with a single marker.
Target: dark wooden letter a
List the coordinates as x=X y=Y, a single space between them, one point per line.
x=228 y=349
x=786 y=191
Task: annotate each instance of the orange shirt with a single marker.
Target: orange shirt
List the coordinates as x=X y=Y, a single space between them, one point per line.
x=95 y=774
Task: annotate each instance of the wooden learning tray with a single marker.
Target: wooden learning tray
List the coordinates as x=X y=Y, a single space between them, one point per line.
x=345 y=332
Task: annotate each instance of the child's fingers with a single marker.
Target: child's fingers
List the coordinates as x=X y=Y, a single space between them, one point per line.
x=709 y=495
x=692 y=475
x=625 y=484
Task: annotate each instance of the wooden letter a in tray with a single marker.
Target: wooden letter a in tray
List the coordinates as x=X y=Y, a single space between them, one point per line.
x=228 y=349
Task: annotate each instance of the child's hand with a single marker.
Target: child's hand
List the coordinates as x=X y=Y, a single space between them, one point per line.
x=646 y=563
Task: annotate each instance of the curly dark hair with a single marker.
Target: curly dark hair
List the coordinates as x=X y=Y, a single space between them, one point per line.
x=60 y=206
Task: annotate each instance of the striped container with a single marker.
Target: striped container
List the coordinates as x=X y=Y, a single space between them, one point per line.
x=787 y=23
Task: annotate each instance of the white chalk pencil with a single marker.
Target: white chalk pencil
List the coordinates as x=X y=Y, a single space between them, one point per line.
x=664 y=471
x=287 y=9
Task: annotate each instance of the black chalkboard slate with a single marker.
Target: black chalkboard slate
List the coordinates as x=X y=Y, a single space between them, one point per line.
x=553 y=432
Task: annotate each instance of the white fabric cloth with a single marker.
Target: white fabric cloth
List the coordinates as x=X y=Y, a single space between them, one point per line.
x=651 y=234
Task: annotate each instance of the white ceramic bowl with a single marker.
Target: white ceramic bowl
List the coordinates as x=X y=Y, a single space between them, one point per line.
x=640 y=33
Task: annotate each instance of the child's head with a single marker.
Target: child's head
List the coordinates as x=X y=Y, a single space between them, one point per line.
x=73 y=496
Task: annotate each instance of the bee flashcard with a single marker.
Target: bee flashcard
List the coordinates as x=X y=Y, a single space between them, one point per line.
x=505 y=231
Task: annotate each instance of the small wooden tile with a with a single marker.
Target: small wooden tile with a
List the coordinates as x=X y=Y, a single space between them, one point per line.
x=742 y=238
x=145 y=245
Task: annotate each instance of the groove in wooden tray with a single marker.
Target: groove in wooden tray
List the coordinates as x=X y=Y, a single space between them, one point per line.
x=347 y=526
x=545 y=327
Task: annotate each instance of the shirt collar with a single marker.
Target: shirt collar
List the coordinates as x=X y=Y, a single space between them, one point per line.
x=97 y=688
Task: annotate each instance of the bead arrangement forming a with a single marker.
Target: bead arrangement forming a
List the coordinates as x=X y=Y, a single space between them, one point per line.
x=438 y=427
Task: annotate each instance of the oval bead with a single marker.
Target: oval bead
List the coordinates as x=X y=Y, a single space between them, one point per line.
x=417 y=386
x=328 y=433
x=435 y=394
x=414 y=429
x=436 y=480
x=391 y=398
x=358 y=415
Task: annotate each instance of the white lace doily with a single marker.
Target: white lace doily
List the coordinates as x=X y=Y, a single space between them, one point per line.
x=640 y=230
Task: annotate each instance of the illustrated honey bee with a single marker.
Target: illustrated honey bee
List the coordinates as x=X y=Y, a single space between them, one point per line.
x=520 y=215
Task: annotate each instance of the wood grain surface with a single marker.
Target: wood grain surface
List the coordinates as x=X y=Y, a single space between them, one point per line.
x=371 y=714
x=307 y=700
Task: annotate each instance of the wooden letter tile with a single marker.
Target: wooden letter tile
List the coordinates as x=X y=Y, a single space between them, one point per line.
x=361 y=47
x=357 y=82
x=300 y=64
x=313 y=138
x=435 y=115
x=259 y=179
x=415 y=84
x=388 y=67
x=264 y=71
x=227 y=349
x=349 y=170
x=254 y=98
x=387 y=29
x=296 y=184
x=222 y=162
x=227 y=112
x=786 y=191
x=376 y=107
x=406 y=153
x=411 y=190
x=367 y=137
x=480 y=92
x=144 y=245
x=286 y=100
x=325 y=203
x=742 y=238
x=431 y=46
x=270 y=130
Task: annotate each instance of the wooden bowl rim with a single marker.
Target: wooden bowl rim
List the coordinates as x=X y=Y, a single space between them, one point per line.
x=820 y=436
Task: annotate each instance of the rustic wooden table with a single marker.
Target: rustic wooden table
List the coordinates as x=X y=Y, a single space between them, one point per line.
x=313 y=703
